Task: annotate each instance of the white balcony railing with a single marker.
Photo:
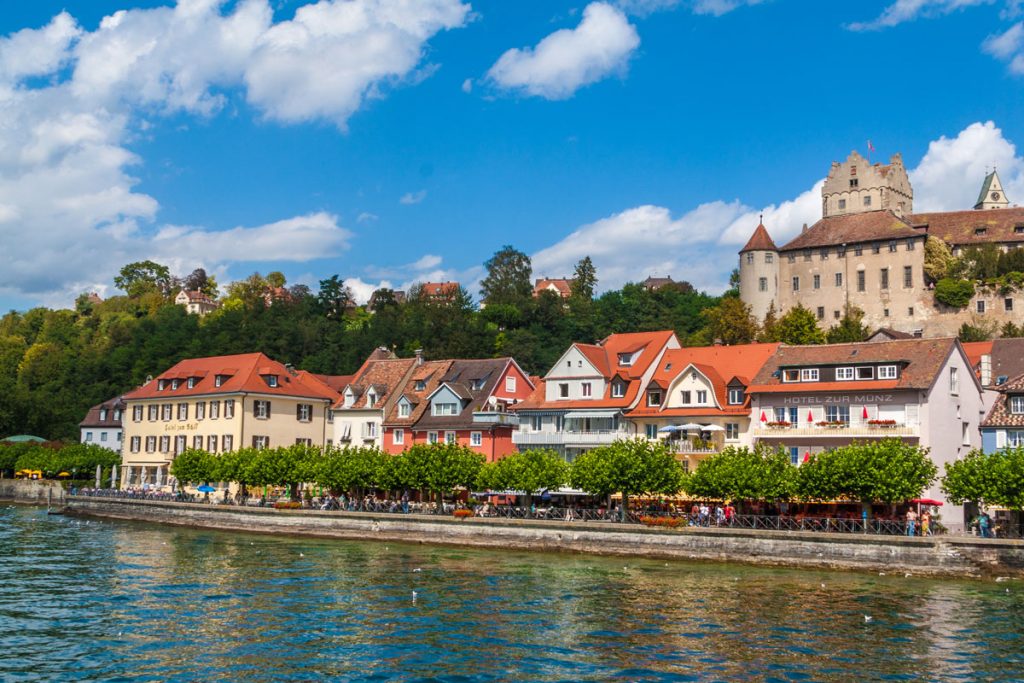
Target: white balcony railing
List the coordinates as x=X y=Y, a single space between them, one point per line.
x=494 y=417
x=566 y=438
x=839 y=431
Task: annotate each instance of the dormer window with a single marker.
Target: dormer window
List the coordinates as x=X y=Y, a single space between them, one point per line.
x=980 y=231
x=271 y=380
x=175 y=383
x=886 y=372
x=404 y=409
x=844 y=374
x=446 y=409
x=218 y=380
x=191 y=382
x=625 y=359
x=477 y=385
x=809 y=375
x=790 y=375
x=161 y=384
x=420 y=385
x=735 y=397
x=103 y=414
x=1017 y=405
x=350 y=399
x=865 y=372
x=371 y=399
x=654 y=397
x=1018 y=229
x=117 y=415
x=618 y=389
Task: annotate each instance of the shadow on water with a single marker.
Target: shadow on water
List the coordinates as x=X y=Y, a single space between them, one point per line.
x=98 y=601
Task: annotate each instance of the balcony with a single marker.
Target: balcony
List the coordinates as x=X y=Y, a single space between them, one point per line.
x=694 y=447
x=494 y=417
x=845 y=431
x=567 y=438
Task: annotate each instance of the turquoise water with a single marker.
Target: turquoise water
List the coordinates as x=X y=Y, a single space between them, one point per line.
x=89 y=600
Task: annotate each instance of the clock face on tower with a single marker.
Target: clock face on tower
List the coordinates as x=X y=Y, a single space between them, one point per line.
x=995 y=196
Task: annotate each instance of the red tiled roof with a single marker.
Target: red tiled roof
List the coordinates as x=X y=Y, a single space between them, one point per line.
x=461 y=376
x=561 y=286
x=922 y=359
x=961 y=227
x=1000 y=415
x=241 y=373
x=92 y=418
x=436 y=289
x=760 y=240
x=337 y=383
x=384 y=375
x=852 y=228
x=431 y=373
x=975 y=350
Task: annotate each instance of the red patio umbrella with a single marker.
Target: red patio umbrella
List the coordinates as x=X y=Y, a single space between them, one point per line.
x=764 y=418
x=865 y=415
x=927 y=501
x=807 y=456
x=810 y=416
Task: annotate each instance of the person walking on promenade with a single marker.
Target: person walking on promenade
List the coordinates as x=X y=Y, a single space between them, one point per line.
x=911 y=521
x=984 y=524
x=926 y=524
x=719 y=515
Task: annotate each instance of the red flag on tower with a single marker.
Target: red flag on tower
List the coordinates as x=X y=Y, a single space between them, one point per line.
x=871 y=148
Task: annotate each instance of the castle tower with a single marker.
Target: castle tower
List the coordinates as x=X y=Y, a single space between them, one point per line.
x=759 y=272
x=992 y=195
x=856 y=185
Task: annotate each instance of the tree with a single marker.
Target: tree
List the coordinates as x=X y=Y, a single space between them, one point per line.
x=584 y=280
x=334 y=297
x=938 y=258
x=731 y=322
x=276 y=279
x=144 y=277
x=987 y=478
x=800 y=326
x=885 y=471
x=199 y=281
x=443 y=467
x=851 y=327
x=975 y=333
x=744 y=474
x=769 y=326
x=194 y=466
x=508 y=278
x=629 y=467
x=527 y=471
x=954 y=293
x=351 y=469
x=1010 y=330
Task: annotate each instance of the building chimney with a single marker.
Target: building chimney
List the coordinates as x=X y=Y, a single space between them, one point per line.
x=804 y=228
x=986 y=370
x=419 y=356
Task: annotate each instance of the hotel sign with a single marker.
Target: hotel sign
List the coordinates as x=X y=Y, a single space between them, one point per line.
x=187 y=427
x=839 y=399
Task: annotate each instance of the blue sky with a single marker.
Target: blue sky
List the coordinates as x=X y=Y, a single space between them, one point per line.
x=318 y=138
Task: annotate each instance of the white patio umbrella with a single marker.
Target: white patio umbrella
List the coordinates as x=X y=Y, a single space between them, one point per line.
x=712 y=428
x=690 y=427
x=669 y=428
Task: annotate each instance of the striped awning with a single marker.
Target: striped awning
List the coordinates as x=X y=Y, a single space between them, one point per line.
x=579 y=414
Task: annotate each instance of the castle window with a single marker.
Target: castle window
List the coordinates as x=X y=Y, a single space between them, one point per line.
x=908 y=276
x=884 y=279
x=885 y=313
x=817 y=282
x=876 y=248
x=980 y=231
x=762 y=284
x=858 y=250
x=910 y=311
x=824 y=254
x=1008 y=304
x=853 y=170
x=867 y=200
x=842 y=204
x=769 y=258
x=892 y=245
x=981 y=306
x=750 y=257
x=835 y=314
x=791 y=258
x=821 y=312
x=839 y=279
x=807 y=254
x=841 y=251
x=796 y=284
x=910 y=245
x=853 y=182
x=860 y=280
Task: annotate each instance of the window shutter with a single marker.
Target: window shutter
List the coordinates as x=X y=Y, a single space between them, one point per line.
x=1000 y=438
x=913 y=414
x=268 y=408
x=298 y=411
x=856 y=415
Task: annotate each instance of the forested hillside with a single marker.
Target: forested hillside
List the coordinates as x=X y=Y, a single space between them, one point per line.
x=55 y=364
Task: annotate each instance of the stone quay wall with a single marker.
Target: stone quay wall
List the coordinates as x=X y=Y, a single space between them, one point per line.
x=932 y=556
x=34 y=491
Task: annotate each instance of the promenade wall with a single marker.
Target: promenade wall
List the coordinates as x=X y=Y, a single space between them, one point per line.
x=35 y=491
x=932 y=556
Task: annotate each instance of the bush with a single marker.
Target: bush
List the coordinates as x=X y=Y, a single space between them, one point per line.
x=287 y=505
x=955 y=293
x=666 y=522
x=462 y=513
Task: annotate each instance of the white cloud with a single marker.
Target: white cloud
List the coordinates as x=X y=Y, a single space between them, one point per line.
x=72 y=101
x=950 y=174
x=367 y=217
x=569 y=59
x=467 y=86
x=362 y=290
x=1008 y=46
x=713 y=7
x=903 y=11
x=701 y=245
x=413 y=197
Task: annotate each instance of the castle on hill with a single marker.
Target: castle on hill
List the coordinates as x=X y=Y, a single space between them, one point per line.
x=868 y=252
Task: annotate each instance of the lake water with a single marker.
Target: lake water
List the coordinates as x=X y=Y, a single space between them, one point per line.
x=89 y=600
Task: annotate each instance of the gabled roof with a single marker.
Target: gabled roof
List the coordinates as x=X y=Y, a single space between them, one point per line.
x=1007 y=358
x=760 y=240
x=240 y=373
x=975 y=350
x=462 y=376
x=560 y=286
x=439 y=289
x=605 y=357
x=720 y=364
x=888 y=334
x=961 y=227
x=335 y=382
x=92 y=418
x=1000 y=415
x=383 y=375
x=852 y=228
x=431 y=373
x=922 y=360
